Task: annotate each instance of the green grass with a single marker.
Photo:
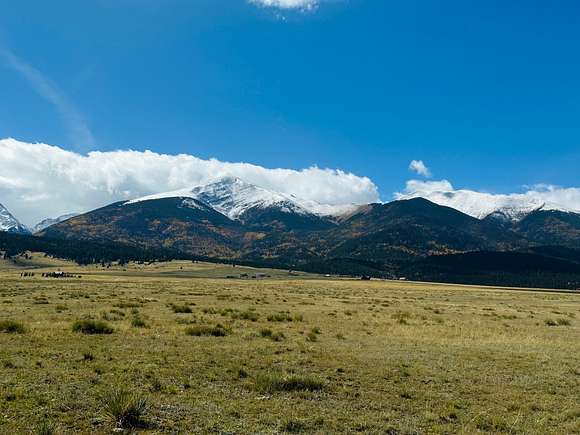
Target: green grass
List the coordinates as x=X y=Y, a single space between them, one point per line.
x=334 y=357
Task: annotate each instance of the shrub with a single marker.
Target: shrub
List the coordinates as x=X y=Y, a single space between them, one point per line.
x=563 y=322
x=272 y=383
x=550 y=322
x=245 y=315
x=275 y=336
x=12 y=327
x=92 y=327
x=279 y=317
x=402 y=317
x=205 y=330
x=138 y=322
x=125 y=409
x=181 y=309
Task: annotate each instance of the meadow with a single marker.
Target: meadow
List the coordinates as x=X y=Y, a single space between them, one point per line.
x=182 y=348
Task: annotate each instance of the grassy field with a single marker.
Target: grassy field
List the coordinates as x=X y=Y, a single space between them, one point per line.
x=180 y=348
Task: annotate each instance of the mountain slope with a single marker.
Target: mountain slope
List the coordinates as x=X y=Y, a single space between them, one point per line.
x=551 y=228
x=183 y=224
x=10 y=224
x=404 y=229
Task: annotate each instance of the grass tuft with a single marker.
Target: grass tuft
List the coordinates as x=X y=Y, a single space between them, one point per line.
x=272 y=383
x=12 y=327
x=557 y=322
x=125 y=409
x=46 y=428
x=293 y=426
x=92 y=327
x=138 y=322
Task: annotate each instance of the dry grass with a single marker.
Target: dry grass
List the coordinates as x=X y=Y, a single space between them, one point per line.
x=299 y=355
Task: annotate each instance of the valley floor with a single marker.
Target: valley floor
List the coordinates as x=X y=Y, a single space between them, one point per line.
x=298 y=354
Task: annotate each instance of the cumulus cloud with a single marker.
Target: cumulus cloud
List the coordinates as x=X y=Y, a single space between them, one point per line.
x=78 y=129
x=480 y=204
x=287 y=4
x=39 y=180
x=420 y=168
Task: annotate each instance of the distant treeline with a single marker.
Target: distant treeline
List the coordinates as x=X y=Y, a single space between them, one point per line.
x=540 y=267
x=92 y=252
x=84 y=252
x=545 y=266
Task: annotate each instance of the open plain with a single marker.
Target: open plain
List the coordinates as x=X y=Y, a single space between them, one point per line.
x=187 y=347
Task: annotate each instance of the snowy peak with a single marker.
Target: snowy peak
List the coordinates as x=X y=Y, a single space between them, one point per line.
x=45 y=223
x=9 y=223
x=233 y=197
x=507 y=208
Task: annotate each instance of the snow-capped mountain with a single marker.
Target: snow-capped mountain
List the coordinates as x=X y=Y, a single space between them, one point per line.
x=9 y=223
x=233 y=197
x=509 y=208
x=45 y=223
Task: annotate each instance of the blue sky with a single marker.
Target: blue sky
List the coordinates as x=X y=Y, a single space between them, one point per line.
x=486 y=94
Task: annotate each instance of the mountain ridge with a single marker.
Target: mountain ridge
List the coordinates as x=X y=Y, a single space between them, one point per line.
x=507 y=208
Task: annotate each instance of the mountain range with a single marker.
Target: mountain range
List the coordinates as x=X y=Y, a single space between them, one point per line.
x=233 y=220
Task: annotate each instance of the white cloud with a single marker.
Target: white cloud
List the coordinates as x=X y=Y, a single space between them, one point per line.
x=420 y=168
x=287 y=4
x=40 y=180
x=77 y=127
x=480 y=204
